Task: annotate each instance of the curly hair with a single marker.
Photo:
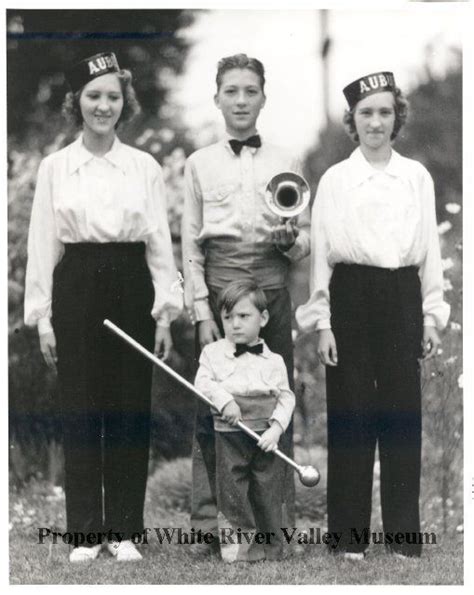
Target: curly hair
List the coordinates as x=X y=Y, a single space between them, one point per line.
x=71 y=108
x=401 y=113
x=240 y=61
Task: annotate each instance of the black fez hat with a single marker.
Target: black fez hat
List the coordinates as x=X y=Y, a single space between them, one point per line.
x=90 y=68
x=368 y=85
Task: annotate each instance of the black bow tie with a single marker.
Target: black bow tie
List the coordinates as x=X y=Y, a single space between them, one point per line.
x=241 y=348
x=252 y=141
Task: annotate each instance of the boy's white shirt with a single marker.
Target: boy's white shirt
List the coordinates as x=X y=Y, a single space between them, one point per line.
x=221 y=376
x=225 y=197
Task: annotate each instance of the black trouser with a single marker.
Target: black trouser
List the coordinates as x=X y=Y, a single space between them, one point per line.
x=277 y=334
x=104 y=385
x=374 y=395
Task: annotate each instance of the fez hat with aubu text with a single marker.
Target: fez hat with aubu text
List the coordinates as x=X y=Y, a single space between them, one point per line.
x=378 y=82
x=90 y=68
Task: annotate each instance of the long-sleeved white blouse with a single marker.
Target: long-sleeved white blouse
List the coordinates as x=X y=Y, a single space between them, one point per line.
x=384 y=218
x=80 y=197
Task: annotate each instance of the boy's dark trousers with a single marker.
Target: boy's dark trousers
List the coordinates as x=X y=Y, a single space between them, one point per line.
x=277 y=335
x=374 y=396
x=249 y=493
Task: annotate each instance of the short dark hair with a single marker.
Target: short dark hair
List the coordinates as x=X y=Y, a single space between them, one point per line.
x=71 y=108
x=401 y=113
x=236 y=290
x=240 y=61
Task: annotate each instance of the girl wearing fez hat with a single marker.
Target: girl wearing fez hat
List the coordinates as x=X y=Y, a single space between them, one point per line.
x=99 y=247
x=376 y=306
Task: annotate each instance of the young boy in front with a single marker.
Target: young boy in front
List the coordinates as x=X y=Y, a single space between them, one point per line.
x=247 y=382
x=229 y=233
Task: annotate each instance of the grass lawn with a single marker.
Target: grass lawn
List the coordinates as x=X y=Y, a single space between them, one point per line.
x=32 y=563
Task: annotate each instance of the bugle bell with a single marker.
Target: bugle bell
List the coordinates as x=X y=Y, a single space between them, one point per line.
x=287 y=194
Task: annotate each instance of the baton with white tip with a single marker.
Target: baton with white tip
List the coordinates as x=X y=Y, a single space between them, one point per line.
x=309 y=476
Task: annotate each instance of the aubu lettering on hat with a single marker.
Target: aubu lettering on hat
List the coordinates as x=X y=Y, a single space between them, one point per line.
x=376 y=82
x=90 y=68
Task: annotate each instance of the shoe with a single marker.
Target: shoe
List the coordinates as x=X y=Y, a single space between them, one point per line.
x=294 y=551
x=84 y=554
x=354 y=556
x=202 y=550
x=401 y=556
x=124 y=551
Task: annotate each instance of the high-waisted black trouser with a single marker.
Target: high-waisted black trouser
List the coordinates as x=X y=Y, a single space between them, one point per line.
x=374 y=396
x=277 y=335
x=104 y=385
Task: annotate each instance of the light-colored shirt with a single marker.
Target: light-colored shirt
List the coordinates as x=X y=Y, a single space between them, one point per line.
x=79 y=197
x=225 y=200
x=384 y=218
x=258 y=383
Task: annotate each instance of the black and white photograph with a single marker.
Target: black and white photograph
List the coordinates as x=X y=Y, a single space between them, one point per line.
x=235 y=259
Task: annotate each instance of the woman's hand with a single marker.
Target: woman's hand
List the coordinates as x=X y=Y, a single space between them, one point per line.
x=48 y=349
x=326 y=346
x=163 y=342
x=431 y=342
x=285 y=234
x=231 y=413
x=208 y=332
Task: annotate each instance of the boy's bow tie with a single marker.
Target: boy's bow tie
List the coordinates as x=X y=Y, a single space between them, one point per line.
x=252 y=141
x=241 y=348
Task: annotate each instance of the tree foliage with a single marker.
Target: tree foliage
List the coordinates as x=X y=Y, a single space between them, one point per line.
x=42 y=44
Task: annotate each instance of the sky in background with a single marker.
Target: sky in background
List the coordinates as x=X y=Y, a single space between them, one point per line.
x=288 y=43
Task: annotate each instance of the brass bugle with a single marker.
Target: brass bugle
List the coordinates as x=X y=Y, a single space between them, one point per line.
x=287 y=194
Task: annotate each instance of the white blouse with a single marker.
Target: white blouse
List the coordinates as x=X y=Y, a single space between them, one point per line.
x=79 y=197
x=384 y=218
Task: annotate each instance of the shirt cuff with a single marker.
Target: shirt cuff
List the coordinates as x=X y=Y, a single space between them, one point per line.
x=220 y=398
x=323 y=325
x=429 y=320
x=293 y=253
x=44 y=326
x=278 y=422
x=202 y=310
x=282 y=419
x=163 y=320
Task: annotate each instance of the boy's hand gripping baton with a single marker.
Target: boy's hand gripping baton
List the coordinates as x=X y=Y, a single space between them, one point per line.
x=309 y=476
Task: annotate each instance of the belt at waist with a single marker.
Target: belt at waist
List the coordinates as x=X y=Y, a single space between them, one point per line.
x=228 y=260
x=373 y=270
x=256 y=410
x=104 y=248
